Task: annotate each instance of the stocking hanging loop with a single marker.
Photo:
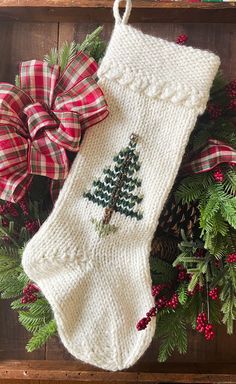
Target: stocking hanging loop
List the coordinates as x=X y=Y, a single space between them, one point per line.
x=116 y=12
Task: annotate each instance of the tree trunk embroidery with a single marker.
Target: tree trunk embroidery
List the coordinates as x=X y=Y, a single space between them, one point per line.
x=117 y=189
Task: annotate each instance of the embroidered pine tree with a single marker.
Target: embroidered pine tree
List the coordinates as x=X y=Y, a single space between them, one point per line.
x=118 y=188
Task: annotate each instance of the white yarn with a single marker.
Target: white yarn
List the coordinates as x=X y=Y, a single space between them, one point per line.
x=99 y=288
x=127 y=12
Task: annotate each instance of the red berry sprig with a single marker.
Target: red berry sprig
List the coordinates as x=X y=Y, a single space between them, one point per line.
x=24 y=206
x=214 y=110
x=204 y=327
x=181 y=39
x=30 y=293
x=32 y=225
x=197 y=288
x=200 y=252
x=156 y=289
x=182 y=273
x=161 y=302
x=231 y=258
x=2 y=208
x=214 y=293
x=11 y=210
x=232 y=105
x=209 y=332
x=218 y=175
x=231 y=89
x=143 y=323
x=201 y=322
x=173 y=302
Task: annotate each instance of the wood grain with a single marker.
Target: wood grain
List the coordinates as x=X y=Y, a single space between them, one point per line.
x=13 y=337
x=24 y=41
x=165 y=373
x=88 y=10
x=18 y=42
x=137 y=4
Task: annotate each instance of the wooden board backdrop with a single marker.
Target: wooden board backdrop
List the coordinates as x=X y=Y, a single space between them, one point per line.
x=23 y=41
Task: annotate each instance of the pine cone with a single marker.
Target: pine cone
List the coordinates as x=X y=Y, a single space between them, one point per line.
x=164 y=246
x=177 y=216
x=174 y=218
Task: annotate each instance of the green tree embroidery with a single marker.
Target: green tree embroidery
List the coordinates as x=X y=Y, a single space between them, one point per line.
x=117 y=189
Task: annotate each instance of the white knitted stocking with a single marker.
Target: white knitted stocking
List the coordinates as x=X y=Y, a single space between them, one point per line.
x=91 y=256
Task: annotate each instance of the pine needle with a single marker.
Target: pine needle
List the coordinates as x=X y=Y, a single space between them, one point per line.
x=52 y=57
x=41 y=336
x=67 y=53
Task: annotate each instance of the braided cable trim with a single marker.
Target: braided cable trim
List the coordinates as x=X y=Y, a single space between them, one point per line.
x=150 y=86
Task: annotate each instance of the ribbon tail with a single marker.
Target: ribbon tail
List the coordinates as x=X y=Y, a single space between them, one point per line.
x=214 y=154
x=55 y=187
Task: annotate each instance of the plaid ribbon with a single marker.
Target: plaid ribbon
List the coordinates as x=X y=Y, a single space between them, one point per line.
x=216 y=152
x=43 y=119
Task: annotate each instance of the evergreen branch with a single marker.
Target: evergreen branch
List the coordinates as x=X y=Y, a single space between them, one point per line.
x=32 y=322
x=172 y=334
x=52 y=57
x=41 y=336
x=17 y=81
x=7 y=233
x=67 y=53
x=93 y=45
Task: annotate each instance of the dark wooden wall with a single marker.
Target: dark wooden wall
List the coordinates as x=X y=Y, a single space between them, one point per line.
x=25 y=40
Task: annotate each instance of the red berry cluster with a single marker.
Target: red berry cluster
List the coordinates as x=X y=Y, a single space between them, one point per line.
x=197 y=288
x=24 y=206
x=171 y=303
x=231 y=258
x=232 y=104
x=161 y=302
x=214 y=293
x=30 y=293
x=164 y=302
x=218 y=175
x=156 y=289
x=214 y=111
x=182 y=273
x=5 y=222
x=2 y=209
x=209 y=332
x=9 y=209
x=218 y=264
x=204 y=327
x=201 y=322
x=200 y=252
x=142 y=324
x=231 y=89
x=32 y=225
x=181 y=39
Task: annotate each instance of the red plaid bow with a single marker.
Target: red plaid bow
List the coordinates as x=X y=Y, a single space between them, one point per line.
x=216 y=152
x=43 y=119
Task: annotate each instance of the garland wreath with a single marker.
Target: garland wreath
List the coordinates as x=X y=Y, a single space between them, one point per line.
x=193 y=257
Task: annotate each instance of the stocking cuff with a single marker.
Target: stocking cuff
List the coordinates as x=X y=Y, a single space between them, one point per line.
x=159 y=69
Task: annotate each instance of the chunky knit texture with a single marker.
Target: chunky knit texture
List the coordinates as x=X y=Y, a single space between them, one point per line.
x=100 y=286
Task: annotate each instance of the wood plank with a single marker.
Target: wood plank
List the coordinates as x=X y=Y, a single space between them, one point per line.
x=165 y=373
x=137 y=4
x=90 y=11
x=13 y=337
x=20 y=42
x=24 y=41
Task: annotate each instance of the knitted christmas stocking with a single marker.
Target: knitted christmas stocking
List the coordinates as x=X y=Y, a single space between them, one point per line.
x=91 y=256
